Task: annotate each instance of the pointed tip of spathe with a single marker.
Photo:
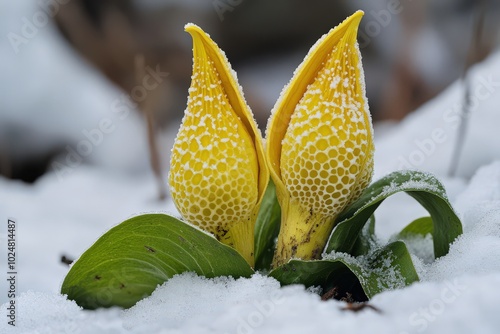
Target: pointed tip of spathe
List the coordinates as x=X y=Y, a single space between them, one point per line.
x=359 y=13
x=355 y=18
x=350 y=25
x=191 y=27
x=198 y=34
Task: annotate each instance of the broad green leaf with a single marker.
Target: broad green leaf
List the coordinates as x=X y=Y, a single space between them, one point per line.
x=128 y=262
x=267 y=228
x=387 y=268
x=366 y=239
x=423 y=187
x=419 y=227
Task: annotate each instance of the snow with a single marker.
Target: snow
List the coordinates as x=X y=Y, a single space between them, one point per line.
x=457 y=293
x=67 y=216
x=64 y=217
x=425 y=139
x=190 y=304
x=422 y=247
x=67 y=96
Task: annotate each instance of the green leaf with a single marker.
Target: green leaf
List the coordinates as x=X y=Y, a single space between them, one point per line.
x=366 y=239
x=418 y=227
x=387 y=268
x=128 y=262
x=267 y=228
x=423 y=187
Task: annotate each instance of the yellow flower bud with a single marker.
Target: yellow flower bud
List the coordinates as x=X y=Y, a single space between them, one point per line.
x=218 y=173
x=320 y=142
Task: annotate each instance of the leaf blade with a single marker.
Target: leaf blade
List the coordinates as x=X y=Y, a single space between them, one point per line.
x=267 y=228
x=425 y=188
x=419 y=227
x=128 y=262
x=387 y=268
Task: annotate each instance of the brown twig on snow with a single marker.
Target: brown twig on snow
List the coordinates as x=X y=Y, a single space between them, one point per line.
x=330 y=294
x=146 y=107
x=356 y=307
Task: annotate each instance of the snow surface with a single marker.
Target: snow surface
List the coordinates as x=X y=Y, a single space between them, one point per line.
x=457 y=294
x=51 y=96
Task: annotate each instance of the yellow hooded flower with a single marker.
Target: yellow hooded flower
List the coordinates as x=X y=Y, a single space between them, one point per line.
x=320 y=142
x=218 y=173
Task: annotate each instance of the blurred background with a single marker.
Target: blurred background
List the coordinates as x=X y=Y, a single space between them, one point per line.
x=104 y=82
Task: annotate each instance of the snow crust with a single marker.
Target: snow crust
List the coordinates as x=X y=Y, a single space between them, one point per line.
x=457 y=293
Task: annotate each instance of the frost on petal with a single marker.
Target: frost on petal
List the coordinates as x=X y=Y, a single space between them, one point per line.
x=322 y=123
x=326 y=151
x=320 y=142
x=217 y=173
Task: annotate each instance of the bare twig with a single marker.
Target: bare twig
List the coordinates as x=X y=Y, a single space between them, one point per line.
x=330 y=294
x=5 y=161
x=356 y=307
x=146 y=107
x=472 y=57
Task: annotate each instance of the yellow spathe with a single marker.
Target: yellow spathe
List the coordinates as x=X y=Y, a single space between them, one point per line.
x=218 y=174
x=320 y=142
